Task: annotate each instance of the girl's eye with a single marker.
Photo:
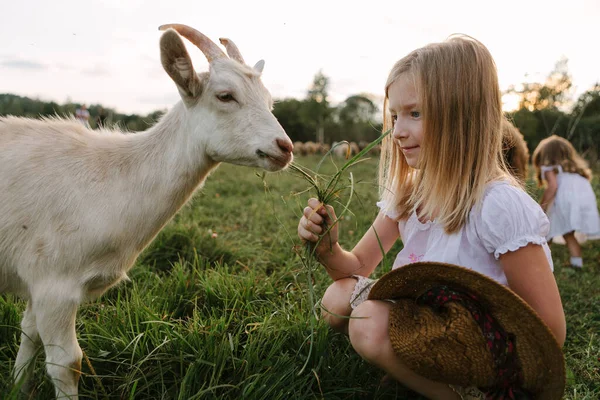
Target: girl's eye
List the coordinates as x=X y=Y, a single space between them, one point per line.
x=394 y=119
x=225 y=97
x=415 y=114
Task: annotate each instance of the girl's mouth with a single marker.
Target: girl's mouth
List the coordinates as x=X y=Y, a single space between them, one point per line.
x=409 y=148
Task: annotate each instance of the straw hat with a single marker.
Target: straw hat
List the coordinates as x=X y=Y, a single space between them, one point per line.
x=457 y=326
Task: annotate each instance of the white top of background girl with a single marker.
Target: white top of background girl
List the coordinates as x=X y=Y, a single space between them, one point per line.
x=506 y=219
x=574 y=207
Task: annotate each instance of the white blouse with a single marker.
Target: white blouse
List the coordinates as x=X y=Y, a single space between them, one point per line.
x=505 y=220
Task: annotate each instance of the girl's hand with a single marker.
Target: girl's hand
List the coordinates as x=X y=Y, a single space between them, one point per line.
x=316 y=220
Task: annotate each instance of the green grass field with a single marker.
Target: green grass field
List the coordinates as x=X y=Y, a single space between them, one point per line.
x=220 y=306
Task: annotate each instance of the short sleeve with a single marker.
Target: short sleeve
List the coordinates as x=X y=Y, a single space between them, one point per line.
x=546 y=168
x=510 y=219
x=383 y=206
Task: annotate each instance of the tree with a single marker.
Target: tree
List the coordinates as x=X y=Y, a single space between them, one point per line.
x=355 y=117
x=588 y=104
x=317 y=110
x=584 y=125
x=542 y=106
x=289 y=114
x=318 y=89
x=357 y=109
x=25 y=107
x=554 y=93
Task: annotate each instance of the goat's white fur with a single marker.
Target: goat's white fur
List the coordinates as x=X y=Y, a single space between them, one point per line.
x=78 y=206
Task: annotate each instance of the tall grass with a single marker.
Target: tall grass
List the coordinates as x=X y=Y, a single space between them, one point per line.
x=228 y=317
x=328 y=190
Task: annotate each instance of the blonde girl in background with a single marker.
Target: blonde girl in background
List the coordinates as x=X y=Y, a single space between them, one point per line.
x=568 y=198
x=447 y=194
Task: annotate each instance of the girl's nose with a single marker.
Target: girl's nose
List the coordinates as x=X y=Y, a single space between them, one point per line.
x=399 y=132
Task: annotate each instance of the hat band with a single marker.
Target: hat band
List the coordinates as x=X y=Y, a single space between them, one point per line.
x=501 y=344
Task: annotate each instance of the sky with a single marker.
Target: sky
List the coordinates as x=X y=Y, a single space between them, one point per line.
x=106 y=51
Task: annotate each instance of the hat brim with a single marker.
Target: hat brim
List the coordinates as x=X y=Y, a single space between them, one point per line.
x=540 y=355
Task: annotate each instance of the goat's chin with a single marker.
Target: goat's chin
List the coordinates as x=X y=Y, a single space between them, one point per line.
x=273 y=165
x=262 y=160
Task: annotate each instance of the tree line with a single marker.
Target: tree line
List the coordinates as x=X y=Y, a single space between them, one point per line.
x=310 y=119
x=544 y=108
x=19 y=106
x=547 y=108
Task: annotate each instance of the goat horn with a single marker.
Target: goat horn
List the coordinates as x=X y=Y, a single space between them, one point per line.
x=207 y=46
x=232 y=50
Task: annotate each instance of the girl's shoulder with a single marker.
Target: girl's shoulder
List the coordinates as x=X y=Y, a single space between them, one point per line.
x=503 y=196
x=507 y=217
x=505 y=206
x=548 y=168
x=388 y=210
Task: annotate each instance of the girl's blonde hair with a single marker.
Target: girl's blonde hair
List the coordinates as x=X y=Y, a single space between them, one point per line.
x=556 y=150
x=514 y=148
x=459 y=95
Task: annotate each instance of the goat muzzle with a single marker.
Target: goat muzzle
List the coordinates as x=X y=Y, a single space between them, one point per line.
x=285 y=145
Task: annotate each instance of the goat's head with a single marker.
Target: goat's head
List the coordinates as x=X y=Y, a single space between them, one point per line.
x=230 y=100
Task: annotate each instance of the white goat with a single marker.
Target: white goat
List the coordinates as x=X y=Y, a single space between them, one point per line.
x=77 y=207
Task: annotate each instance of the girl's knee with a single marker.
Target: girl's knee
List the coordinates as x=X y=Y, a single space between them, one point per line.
x=368 y=329
x=336 y=304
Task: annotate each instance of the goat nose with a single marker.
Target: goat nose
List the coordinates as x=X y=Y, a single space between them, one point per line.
x=285 y=145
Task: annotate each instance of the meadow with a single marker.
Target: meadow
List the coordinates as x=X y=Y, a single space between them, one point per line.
x=221 y=306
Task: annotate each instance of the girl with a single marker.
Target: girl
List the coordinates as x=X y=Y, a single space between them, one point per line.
x=446 y=192
x=568 y=199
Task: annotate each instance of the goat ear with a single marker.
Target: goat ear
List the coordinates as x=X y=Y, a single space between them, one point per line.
x=177 y=63
x=259 y=66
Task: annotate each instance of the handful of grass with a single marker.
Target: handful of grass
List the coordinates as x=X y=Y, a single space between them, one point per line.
x=328 y=189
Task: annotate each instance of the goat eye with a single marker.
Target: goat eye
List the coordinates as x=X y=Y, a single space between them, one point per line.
x=225 y=97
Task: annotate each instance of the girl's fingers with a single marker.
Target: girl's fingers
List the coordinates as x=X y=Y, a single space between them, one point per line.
x=318 y=206
x=314 y=203
x=312 y=227
x=312 y=215
x=306 y=234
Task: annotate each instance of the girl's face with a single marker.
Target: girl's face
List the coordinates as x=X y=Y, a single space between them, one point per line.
x=405 y=111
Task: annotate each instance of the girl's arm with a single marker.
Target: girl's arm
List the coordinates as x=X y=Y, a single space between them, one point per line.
x=341 y=263
x=550 y=192
x=529 y=276
x=375 y=243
